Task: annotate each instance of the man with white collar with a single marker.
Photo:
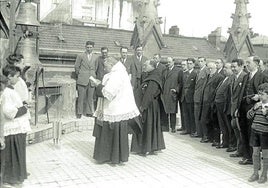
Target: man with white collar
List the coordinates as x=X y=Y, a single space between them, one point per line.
x=136 y=66
x=184 y=125
x=209 y=128
x=124 y=58
x=188 y=97
x=220 y=63
x=262 y=65
x=199 y=86
x=237 y=83
x=85 y=67
x=172 y=87
x=160 y=67
x=222 y=102
x=250 y=97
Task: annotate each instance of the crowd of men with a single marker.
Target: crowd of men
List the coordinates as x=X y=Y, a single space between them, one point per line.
x=220 y=94
x=213 y=96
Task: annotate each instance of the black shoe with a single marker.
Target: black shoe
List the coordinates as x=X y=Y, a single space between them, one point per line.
x=231 y=149
x=89 y=115
x=215 y=144
x=204 y=140
x=152 y=153
x=235 y=154
x=253 y=177
x=245 y=162
x=195 y=135
x=221 y=146
x=180 y=129
x=262 y=179
x=79 y=116
x=173 y=130
x=184 y=133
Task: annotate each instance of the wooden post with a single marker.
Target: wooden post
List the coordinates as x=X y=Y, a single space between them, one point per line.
x=12 y=25
x=37 y=28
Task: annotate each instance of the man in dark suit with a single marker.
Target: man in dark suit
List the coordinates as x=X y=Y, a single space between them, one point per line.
x=85 y=67
x=159 y=66
x=199 y=86
x=208 y=95
x=124 y=58
x=220 y=65
x=237 y=85
x=172 y=86
x=184 y=124
x=100 y=63
x=136 y=66
x=188 y=97
x=223 y=106
x=250 y=96
x=263 y=66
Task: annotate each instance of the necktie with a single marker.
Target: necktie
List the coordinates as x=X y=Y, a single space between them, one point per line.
x=250 y=75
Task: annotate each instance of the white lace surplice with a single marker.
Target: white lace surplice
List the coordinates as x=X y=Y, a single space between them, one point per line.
x=118 y=103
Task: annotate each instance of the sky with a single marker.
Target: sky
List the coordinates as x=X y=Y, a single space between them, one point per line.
x=198 y=18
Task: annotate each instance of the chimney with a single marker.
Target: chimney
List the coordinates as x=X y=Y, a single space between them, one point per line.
x=174 y=30
x=214 y=37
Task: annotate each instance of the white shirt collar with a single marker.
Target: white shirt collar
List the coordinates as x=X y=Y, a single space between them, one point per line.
x=191 y=70
x=239 y=74
x=171 y=67
x=253 y=73
x=219 y=70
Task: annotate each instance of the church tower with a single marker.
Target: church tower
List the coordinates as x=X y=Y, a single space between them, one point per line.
x=238 y=44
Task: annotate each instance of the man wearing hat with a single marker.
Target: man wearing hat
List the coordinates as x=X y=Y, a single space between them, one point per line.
x=84 y=69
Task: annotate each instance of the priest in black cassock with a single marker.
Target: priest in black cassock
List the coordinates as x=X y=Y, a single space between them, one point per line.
x=151 y=139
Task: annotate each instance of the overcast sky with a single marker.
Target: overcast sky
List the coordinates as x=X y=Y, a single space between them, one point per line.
x=199 y=17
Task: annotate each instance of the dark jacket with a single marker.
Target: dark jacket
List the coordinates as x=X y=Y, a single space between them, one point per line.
x=258 y=79
x=210 y=88
x=223 y=95
x=127 y=63
x=189 y=87
x=136 y=70
x=100 y=68
x=237 y=89
x=199 y=85
x=84 y=68
x=172 y=80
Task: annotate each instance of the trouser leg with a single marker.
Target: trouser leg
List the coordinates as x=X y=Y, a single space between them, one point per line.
x=90 y=101
x=81 y=98
x=172 y=117
x=191 y=117
x=197 y=108
x=237 y=135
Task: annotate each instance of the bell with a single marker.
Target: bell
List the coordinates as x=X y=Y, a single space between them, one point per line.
x=27 y=48
x=27 y=15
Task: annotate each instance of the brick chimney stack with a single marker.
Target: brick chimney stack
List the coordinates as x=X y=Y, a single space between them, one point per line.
x=214 y=37
x=174 y=30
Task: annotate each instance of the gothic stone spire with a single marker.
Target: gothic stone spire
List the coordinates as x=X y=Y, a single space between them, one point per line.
x=147 y=27
x=239 y=44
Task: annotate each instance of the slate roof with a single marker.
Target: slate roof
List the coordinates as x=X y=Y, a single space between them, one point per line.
x=73 y=39
x=184 y=47
x=261 y=51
